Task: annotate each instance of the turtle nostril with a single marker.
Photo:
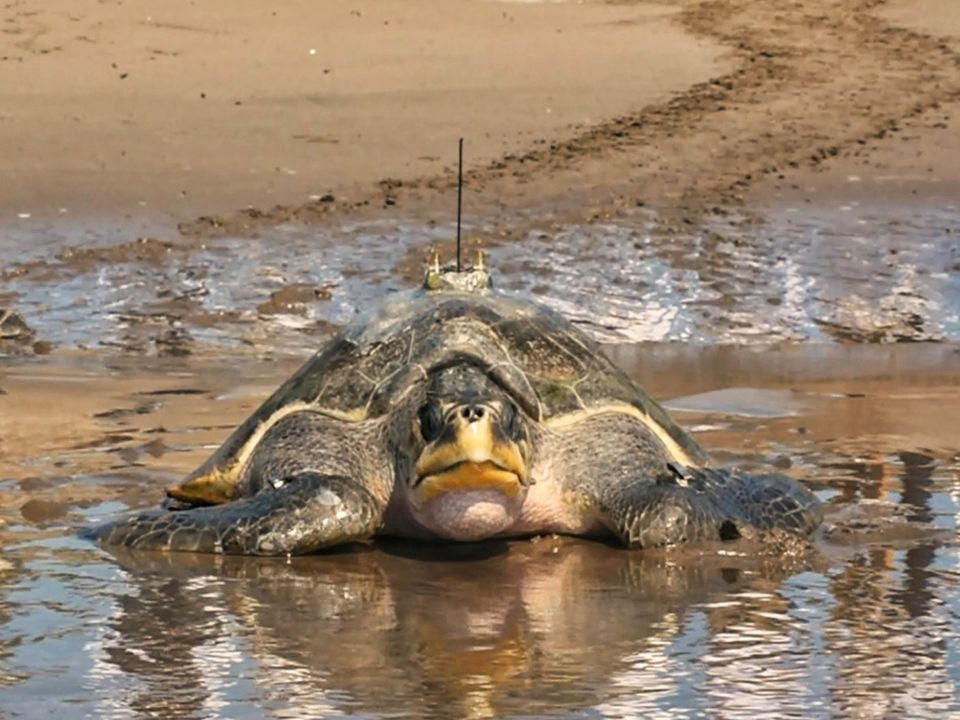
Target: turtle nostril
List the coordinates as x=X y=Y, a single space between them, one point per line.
x=471 y=413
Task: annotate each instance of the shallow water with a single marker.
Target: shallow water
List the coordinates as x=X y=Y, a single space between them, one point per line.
x=866 y=273
x=867 y=627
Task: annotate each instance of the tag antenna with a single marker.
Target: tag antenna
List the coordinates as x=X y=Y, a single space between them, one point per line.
x=459 y=199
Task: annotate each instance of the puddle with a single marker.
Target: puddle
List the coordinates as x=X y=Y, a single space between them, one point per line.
x=745 y=402
x=552 y=628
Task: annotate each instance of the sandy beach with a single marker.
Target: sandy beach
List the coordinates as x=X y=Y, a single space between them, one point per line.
x=181 y=109
x=163 y=114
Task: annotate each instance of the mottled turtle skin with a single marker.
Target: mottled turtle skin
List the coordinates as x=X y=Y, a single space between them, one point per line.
x=457 y=412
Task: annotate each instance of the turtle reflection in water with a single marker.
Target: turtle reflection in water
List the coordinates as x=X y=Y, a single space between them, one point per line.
x=460 y=413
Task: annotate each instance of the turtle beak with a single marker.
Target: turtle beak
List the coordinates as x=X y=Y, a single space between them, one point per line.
x=477 y=447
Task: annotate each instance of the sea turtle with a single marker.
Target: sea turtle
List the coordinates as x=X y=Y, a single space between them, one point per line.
x=459 y=412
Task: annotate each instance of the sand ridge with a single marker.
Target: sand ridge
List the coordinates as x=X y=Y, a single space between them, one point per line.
x=805 y=83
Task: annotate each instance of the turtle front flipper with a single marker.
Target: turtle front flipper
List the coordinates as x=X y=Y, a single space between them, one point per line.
x=767 y=501
x=303 y=513
x=648 y=498
x=681 y=505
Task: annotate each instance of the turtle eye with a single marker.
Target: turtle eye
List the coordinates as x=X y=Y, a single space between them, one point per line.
x=510 y=420
x=431 y=421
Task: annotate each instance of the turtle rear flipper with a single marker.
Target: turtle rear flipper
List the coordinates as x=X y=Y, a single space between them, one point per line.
x=300 y=514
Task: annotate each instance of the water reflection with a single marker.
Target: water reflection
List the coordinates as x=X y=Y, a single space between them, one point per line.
x=530 y=630
x=889 y=616
x=891 y=639
x=549 y=628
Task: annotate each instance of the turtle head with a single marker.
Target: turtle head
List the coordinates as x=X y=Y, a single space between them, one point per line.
x=475 y=279
x=471 y=475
